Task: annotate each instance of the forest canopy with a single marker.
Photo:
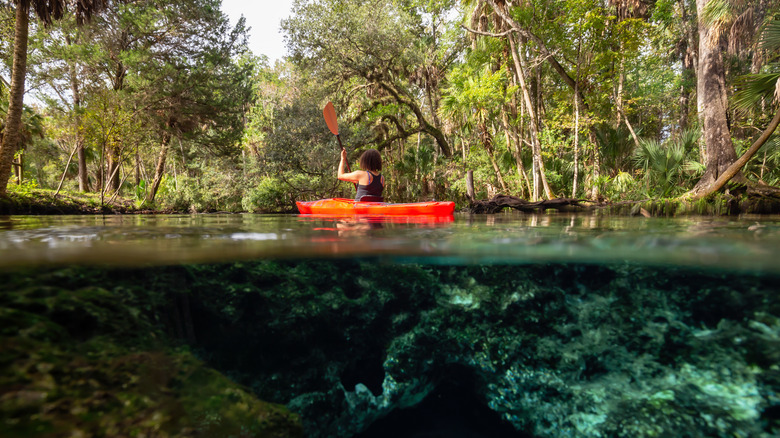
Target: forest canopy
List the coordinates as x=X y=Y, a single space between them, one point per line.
x=162 y=103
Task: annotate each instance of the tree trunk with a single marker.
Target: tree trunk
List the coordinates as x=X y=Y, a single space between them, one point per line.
x=511 y=137
x=137 y=167
x=594 y=193
x=160 y=169
x=576 y=176
x=538 y=169
x=19 y=169
x=711 y=92
x=619 y=92
x=70 y=158
x=470 y=185
x=737 y=166
x=82 y=159
x=688 y=57
x=114 y=160
x=82 y=156
x=487 y=141
x=13 y=122
x=520 y=135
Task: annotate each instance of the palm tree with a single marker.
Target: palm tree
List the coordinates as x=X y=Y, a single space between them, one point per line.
x=755 y=87
x=47 y=11
x=722 y=24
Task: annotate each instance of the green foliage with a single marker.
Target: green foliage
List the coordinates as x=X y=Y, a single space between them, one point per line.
x=761 y=87
x=269 y=195
x=70 y=343
x=668 y=168
x=250 y=136
x=415 y=169
x=214 y=189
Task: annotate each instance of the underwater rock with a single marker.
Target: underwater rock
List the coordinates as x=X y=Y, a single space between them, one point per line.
x=557 y=350
x=83 y=362
x=551 y=350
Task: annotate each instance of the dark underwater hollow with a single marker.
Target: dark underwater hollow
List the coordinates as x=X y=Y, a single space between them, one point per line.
x=453 y=409
x=314 y=335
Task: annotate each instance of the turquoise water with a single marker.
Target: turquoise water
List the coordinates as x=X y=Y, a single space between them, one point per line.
x=472 y=326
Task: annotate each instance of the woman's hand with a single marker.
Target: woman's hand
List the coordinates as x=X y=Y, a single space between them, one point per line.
x=344 y=155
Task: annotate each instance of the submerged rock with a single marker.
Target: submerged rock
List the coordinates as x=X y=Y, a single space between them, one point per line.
x=550 y=350
x=555 y=350
x=86 y=362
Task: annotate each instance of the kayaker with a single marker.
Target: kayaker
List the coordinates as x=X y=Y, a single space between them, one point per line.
x=369 y=180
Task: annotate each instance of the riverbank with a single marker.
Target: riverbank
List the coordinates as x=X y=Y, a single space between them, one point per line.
x=25 y=201
x=720 y=204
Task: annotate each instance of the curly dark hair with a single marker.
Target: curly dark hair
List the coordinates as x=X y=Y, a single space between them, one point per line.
x=371 y=160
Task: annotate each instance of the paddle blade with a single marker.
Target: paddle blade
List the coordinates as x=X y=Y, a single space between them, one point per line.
x=330 y=118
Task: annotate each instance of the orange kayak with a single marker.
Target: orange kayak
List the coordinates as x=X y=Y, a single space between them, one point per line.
x=350 y=206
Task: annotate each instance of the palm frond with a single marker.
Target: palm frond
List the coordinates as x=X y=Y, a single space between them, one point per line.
x=770 y=37
x=754 y=87
x=717 y=15
x=695 y=168
x=742 y=31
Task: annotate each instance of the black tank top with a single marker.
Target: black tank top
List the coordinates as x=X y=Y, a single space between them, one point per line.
x=373 y=188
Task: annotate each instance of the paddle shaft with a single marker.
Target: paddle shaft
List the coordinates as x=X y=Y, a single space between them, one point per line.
x=338 y=137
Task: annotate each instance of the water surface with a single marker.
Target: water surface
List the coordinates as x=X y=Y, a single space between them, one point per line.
x=722 y=242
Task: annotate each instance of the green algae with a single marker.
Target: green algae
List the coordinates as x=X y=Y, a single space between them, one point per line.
x=718 y=204
x=560 y=350
x=84 y=362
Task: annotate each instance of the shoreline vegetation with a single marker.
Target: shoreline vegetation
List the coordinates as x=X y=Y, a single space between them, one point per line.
x=23 y=201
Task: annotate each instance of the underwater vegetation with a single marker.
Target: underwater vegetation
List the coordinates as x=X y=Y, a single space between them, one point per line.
x=554 y=350
x=85 y=361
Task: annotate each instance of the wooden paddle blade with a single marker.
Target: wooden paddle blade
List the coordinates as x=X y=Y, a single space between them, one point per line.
x=330 y=118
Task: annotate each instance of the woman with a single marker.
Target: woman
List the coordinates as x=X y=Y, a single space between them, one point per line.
x=369 y=180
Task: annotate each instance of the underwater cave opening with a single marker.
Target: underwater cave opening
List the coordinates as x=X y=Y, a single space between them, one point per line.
x=454 y=409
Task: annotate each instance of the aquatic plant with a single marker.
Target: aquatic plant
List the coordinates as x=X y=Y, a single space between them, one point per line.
x=87 y=361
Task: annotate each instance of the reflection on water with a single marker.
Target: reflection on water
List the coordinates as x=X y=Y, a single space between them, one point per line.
x=741 y=243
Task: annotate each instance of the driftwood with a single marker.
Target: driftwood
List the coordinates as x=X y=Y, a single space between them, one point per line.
x=499 y=202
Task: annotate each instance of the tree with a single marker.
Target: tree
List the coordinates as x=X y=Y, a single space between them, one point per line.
x=367 y=46
x=722 y=24
x=46 y=11
x=712 y=100
x=194 y=87
x=478 y=92
x=757 y=87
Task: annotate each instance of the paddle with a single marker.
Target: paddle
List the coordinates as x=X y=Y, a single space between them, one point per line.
x=329 y=112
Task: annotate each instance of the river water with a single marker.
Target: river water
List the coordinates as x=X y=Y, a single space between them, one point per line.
x=466 y=326
x=751 y=243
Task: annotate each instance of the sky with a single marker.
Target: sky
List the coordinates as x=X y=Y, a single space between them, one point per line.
x=264 y=18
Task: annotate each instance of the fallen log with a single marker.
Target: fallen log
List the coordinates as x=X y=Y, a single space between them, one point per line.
x=499 y=202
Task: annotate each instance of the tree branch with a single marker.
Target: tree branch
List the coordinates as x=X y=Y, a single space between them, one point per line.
x=736 y=166
x=515 y=26
x=490 y=34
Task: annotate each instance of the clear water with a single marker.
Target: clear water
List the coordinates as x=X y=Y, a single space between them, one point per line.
x=745 y=243
x=505 y=325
